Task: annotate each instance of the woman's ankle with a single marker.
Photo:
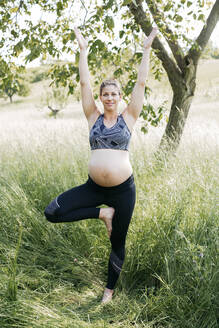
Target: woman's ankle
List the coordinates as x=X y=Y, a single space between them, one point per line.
x=111 y=291
x=107 y=295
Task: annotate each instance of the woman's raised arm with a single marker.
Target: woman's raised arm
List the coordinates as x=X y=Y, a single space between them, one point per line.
x=88 y=102
x=134 y=108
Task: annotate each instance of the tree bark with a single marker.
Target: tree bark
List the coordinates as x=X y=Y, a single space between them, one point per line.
x=183 y=93
x=178 y=114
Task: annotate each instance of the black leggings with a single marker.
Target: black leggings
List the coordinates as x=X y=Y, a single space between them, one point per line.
x=81 y=203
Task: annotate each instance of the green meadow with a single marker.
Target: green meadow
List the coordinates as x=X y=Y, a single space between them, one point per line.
x=53 y=275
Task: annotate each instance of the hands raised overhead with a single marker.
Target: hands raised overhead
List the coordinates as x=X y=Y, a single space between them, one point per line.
x=148 y=40
x=82 y=42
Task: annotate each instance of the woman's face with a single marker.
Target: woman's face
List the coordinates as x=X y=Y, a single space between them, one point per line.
x=110 y=97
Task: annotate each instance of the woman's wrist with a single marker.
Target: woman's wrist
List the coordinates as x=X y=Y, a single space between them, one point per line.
x=84 y=50
x=146 y=49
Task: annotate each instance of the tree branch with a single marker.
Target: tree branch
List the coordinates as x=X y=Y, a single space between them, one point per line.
x=82 y=1
x=168 y=33
x=204 y=36
x=169 y=65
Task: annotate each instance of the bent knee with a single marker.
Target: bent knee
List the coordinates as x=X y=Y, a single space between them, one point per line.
x=51 y=211
x=49 y=217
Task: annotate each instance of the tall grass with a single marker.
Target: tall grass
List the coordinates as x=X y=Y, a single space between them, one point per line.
x=52 y=276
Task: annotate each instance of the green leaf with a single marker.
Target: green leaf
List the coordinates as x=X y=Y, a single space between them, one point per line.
x=109 y=22
x=109 y=4
x=97 y=44
x=178 y=18
x=91 y=56
x=144 y=129
x=71 y=89
x=189 y=3
x=118 y=72
x=14 y=33
x=168 y=7
x=126 y=2
x=201 y=17
x=59 y=5
x=14 y=10
x=72 y=36
x=121 y=33
x=18 y=48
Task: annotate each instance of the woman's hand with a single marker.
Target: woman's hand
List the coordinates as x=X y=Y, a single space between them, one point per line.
x=83 y=44
x=148 y=40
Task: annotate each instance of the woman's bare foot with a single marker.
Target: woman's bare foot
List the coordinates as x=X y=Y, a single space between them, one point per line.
x=106 y=215
x=107 y=296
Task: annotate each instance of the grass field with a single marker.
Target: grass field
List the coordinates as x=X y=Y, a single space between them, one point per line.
x=53 y=276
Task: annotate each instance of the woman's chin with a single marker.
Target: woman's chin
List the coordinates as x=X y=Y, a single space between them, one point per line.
x=110 y=108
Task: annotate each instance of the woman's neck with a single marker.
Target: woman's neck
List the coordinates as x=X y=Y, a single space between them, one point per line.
x=110 y=117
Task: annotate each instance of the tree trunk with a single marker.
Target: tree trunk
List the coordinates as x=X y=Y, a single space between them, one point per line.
x=183 y=93
x=10 y=97
x=178 y=114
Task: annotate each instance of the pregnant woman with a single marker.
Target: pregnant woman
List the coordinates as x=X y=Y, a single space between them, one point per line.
x=110 y=179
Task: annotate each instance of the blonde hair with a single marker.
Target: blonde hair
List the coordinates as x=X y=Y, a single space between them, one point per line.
x=105 y=83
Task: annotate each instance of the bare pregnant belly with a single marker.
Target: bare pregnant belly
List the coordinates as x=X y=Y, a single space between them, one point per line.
x=108 y=167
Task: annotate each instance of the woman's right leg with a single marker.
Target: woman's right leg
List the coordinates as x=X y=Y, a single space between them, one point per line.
x=75 y=204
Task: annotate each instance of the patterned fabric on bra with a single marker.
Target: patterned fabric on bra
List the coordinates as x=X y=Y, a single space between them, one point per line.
x=116 y=137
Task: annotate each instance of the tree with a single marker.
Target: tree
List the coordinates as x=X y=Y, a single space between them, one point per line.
x=137 y=16
x=11 y=81
x=181 y=70
x=55 y=99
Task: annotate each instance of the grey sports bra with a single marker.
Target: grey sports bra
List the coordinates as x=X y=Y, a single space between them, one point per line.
x=116 y=137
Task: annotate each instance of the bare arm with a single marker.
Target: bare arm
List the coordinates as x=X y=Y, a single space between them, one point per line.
x=134 y=108
x=88 y=103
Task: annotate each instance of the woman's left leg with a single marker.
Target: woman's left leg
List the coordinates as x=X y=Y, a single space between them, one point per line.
x=123 y=204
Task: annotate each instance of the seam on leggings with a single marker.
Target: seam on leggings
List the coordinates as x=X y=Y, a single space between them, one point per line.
x=116 y=262
x=118 y=268
x=56 y=199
